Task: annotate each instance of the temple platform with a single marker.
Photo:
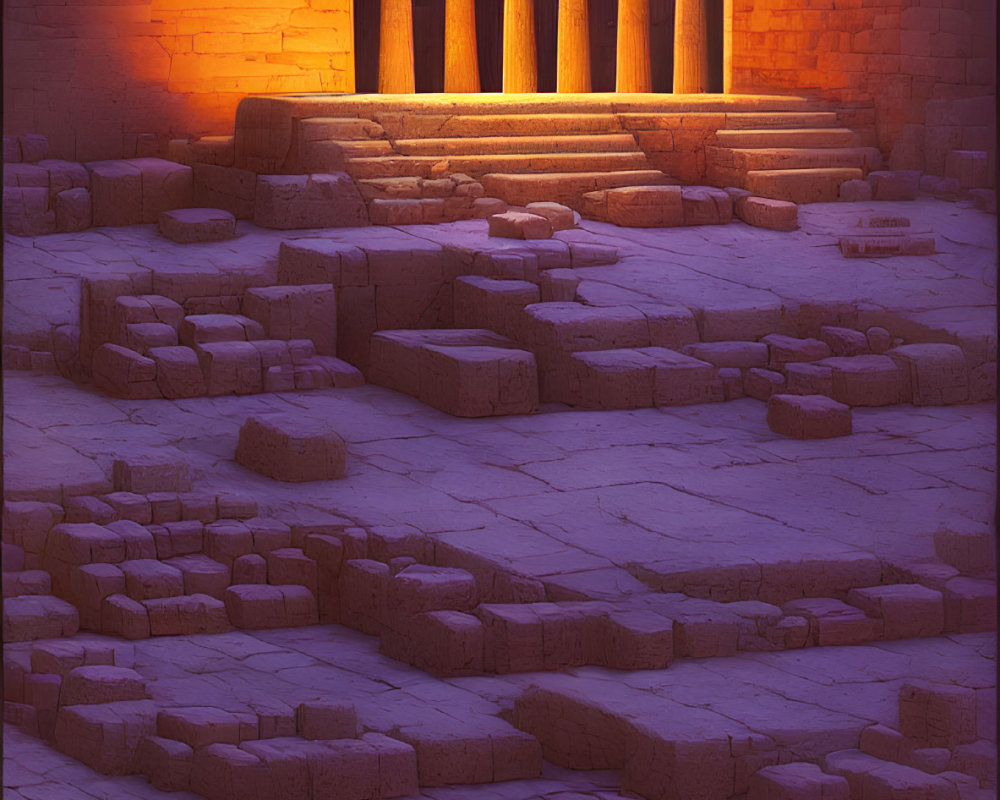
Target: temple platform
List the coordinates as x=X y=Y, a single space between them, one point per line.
x=716 y=139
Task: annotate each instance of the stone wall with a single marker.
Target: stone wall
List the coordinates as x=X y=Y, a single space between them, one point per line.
x=929 y=66
x=93 y=76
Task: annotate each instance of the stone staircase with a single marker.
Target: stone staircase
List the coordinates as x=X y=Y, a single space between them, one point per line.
x=795 y=156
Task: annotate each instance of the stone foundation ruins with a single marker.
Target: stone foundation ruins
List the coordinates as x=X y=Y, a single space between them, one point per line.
x=503 y=447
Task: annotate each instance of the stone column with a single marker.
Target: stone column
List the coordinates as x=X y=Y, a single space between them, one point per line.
x=690 y=47
x=461 y=60
x=727 y=46
x=395 y=54
x=520 y=64
x=634 y=69
x=573 y=47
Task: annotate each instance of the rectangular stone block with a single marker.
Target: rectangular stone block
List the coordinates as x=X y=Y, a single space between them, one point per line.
x=296 y=312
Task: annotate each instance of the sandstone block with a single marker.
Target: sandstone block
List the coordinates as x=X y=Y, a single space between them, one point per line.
x=26 y=211
x=478 y=381
x=844 y=341
x=561 y=217
x=763 y=212
x=124 y=373
x=808 y=416
x=123 y=616
x=786 y=349
x=762 y=383
x=290 y=566
x=34 y=147
x=255 y=606
x=288 y=448
x=937 y=373
x=227 y=540
x=167 y=763
x=970 y=550
x=645 y=206
x=520 y=225
x=101 y=684
x=706 y=205
x=187 y=615
x=230 y=368
x=970 y=605
x=938 y=714
x=894 y=184
x=906 y=610
x=866 y=380
x=855 y=191
x=308 y=201
x=31 y=617
x=166 y=185
x=178 y=373
x=73 y=210
x=188 y=225
x=105 y=737
x=797 y=781
x=146 y=579
x=296 y=312
x=832 y=622
x=201 y=574
x=116 y=193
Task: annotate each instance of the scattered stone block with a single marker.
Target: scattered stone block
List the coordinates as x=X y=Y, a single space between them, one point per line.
x=763 y=212
x=187 y=615
x=125 y=617
x=844 y=341
x=227 y=540
x=808 y=378
x=808 y=416
x=786 y=349
x=797 y=780
x=178 y=372
x=866 y=380
x=833 y=622
x=288 y=448
x=906 y=610
x=308 y=201
x=706 y=205
x=187 y=225
x=201 y=574
x=73 y=210
x=520 y=225
x=968 y=550
x=561 y=217
x=146 y=579
x=855 y=191
x=256 y=606
x=166 y=185
x=970 y=605
x=478 y=381
x=31 y=617
x=296 y=312
x=116 y=193
x=105 y=737
x=167 y=763
x=939 y=715
x=230 y=368
x=644 y=206
x=124 y=373
x=894 y=184
x=762 y=383
x=26 y=211
x=937 y=373
x=101 y=684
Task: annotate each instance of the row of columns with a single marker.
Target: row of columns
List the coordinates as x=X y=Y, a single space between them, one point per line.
x=520 y=73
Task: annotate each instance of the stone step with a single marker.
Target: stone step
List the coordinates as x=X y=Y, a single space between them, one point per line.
x=772 y=158
x=465 y=373
x=370 y=148
x=567 y=188
x=749 y=120
x=343 y=129
x=868 y=776
x=814 y=185
x=497 y=145
x=791 y=137
x=476 y=166
x=26 y=582
x=30 y=617
x=412 y=126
